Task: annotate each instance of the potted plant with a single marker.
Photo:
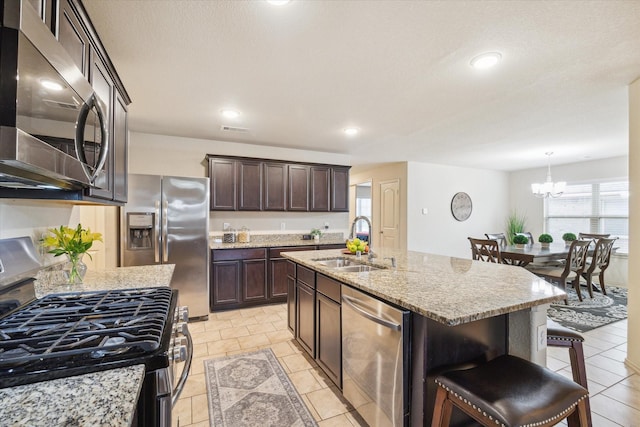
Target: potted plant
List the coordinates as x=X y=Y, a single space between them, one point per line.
x=568 y=238
x=316 y=233
x=515 y=224
x=545 y=239
x=520 y=240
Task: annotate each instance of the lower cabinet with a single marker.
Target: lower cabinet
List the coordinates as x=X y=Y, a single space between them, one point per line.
x=238 y=278
x=291 y=296
x=329 y=328
x=306 y=309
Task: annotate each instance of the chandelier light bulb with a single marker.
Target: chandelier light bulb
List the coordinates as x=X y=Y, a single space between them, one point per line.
x=548 y=188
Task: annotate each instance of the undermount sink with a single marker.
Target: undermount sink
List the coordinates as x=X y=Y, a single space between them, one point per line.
x=345 y=265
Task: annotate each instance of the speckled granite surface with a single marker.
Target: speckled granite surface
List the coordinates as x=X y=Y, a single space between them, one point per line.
x=146 y=276
x=275 y=240
x=449 y=290
x=106 y=398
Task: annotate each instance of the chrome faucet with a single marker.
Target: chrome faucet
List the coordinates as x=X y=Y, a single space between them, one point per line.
x=353 y=232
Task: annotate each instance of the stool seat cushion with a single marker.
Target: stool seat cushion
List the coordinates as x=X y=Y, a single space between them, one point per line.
x=514 y=392
x=557 y=331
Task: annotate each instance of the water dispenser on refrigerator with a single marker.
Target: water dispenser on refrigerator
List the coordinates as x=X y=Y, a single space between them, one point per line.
x=140 y=230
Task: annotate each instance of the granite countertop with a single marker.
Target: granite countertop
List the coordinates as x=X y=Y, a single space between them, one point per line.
x=106 y=398
x=146 y=276
x=277 y=240
x=446 y=289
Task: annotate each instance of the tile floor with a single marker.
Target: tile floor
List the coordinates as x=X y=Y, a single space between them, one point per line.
x=614 y=388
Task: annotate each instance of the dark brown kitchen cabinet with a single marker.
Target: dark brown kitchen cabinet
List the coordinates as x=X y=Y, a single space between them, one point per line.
x=72 y=35
x=319 y=188
x=306 y=309
x=222 y=177
x=298 y=188
x=339 y=189
x=238 y=278
x=249 y=185
x=275 y=186
x=328 y=328
x=120 y=150
x=278 y=271
x=291 y=296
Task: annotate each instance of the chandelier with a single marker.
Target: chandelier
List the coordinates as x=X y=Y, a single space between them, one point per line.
x=548 y=188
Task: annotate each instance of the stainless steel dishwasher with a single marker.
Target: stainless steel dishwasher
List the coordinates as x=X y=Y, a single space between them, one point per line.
x=375 y=359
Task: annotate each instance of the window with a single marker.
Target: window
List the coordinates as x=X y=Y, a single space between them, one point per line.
x=600 y=207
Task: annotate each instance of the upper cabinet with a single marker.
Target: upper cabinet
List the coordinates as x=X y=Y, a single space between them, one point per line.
x=239 y=183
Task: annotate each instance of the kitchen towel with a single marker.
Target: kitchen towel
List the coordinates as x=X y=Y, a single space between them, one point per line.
x=252 y=389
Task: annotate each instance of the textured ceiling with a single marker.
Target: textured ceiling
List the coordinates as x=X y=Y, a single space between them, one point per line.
x=398 y=70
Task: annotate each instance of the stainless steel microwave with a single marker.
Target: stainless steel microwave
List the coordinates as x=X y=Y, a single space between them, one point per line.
x=53 y=128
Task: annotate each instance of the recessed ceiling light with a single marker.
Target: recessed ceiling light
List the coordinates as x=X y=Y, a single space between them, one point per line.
x=51 y=85
x=230 y=114
x=351 y=131
x=278 y=2
x=486 y=60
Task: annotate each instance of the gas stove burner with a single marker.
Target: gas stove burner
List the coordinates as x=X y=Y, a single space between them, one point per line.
x=109 y=342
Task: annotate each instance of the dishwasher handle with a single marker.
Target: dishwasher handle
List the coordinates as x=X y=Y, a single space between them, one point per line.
x=353 y=303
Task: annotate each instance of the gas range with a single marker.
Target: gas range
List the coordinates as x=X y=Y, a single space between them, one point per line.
x=73 y=333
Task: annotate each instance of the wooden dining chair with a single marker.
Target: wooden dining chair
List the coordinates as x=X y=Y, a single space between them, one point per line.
x=500 y=237
x=571 y=271
x=486 y=250
x=592 y=236
x=598 y=263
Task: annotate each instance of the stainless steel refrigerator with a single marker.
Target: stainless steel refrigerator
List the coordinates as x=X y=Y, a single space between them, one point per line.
x=166 y=221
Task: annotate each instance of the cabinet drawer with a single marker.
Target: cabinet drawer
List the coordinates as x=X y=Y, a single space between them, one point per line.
x=275 y=252
x=306 y=276
x=233 y=254
x=328 y=287
x=291 y=269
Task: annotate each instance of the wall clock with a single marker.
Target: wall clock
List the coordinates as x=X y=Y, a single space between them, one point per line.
x=461 y=206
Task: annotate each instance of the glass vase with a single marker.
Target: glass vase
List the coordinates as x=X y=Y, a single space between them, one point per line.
x=75 y=269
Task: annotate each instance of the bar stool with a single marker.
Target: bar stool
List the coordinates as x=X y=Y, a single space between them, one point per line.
x=509 y=391
x=559 y=336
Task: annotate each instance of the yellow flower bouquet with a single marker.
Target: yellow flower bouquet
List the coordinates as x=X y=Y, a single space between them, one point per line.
x=74 y=243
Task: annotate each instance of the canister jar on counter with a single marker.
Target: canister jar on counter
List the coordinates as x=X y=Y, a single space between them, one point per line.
x=244 y=236
x=229 y=236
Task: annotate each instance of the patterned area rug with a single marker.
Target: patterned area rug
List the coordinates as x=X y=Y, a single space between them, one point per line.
x=252 y=389
x=593 y=312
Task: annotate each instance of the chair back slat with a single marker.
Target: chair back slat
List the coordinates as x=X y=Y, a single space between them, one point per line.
x=602 y=253
x=592 y=236
x=577 y=256
x=486 y=250
x=499 y=237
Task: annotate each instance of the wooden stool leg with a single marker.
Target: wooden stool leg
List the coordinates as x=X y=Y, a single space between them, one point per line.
x=442 y=409
x=579 y=371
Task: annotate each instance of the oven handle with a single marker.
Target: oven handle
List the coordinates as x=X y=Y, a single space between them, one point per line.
x=158 y=239
x=185 y=371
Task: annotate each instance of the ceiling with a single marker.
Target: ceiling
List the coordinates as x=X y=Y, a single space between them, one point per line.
x=398 y=70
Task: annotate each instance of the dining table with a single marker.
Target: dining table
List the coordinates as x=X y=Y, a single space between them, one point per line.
x=522 y=256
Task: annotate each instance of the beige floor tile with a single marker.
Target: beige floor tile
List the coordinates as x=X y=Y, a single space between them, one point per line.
x=615 y=411
x=607 y=337
x=310 y=407
x=253 y=341
x=200 y=350
x=197 y=364
x=304 y=381
x=279 y=336
x=327 y=403
x=618 y=368
x=260 y=328
x=339 y=421
x=268 y=318
x=181 y=413
x=199 y=408
x=196 y=327
x=601 y=376
x=225 y=315
x=355 y=419
x=222 y=346
x=235 y=332
x=615 y=354
x=600 y=421
x=280 y=324
x=598 y=343
x=555 y=364
x=282 y=349
x=200 y=424
x=244 y=321
x=296 y=362
x=251 y=312
x=204 y=336
x=216 y=325
x=194 y=386
x=633 y=381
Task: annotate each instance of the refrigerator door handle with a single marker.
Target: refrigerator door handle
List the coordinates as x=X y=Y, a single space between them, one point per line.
x=165 y=224
x=156 y=245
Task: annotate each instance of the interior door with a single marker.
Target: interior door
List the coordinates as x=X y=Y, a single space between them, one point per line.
x=390 y=214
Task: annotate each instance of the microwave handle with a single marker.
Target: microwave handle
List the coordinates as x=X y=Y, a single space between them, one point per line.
x=79 y=142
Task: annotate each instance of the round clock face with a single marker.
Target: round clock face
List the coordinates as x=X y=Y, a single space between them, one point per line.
x=461 y=206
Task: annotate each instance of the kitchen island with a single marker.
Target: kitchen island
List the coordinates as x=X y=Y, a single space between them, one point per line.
x=461 y=312
x=103 y=398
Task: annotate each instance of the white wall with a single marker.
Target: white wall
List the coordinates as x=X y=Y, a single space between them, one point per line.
x=432 y=187
x=633 y=343
x=170 y=155
x=521 y=199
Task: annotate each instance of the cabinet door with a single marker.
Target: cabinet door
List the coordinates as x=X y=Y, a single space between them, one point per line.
x=120 y=150
x=298 y=188
x=278 y=278
x=275 y=186
x=102 y=85
x=319 y=198
x=339 y=189
x=249 y=185
x=254 y=280
x=305 y=317
x=225 y=280
x=329 y=338
x=45 y=9
x=222 y=174
x=291 y=304
x=72 y=36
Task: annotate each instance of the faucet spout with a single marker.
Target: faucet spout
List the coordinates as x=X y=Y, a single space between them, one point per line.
x=353 y=232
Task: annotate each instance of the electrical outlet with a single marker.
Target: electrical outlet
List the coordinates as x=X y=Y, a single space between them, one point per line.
x=326 y=225
x=282 y=226
x=225 y=225
x=541 y=337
